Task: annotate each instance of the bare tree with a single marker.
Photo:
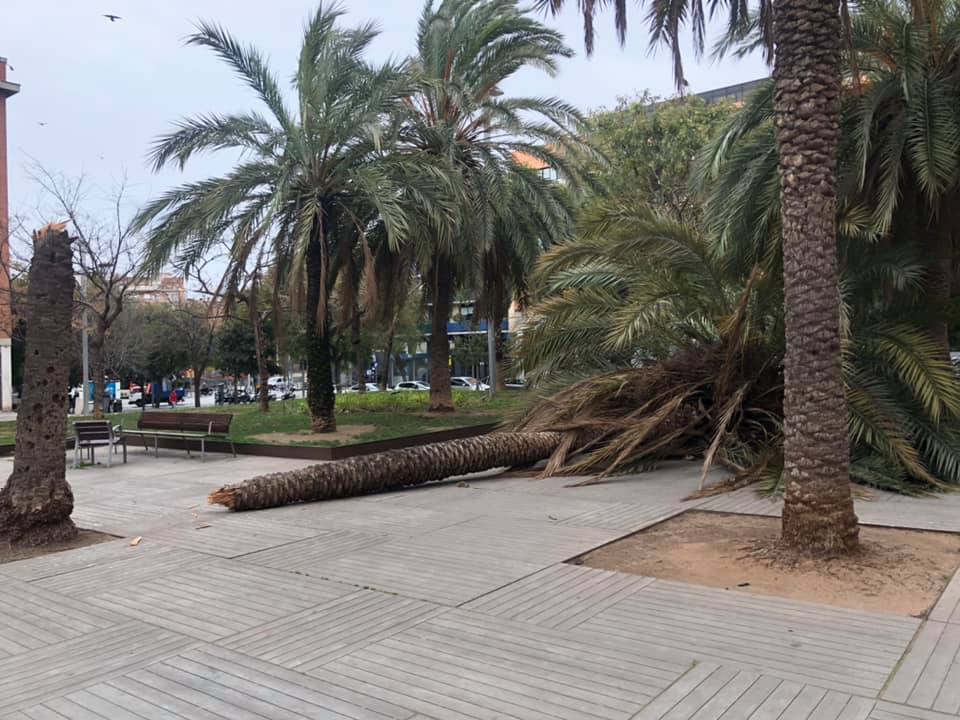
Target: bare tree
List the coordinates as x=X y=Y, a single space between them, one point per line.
x=107 y=255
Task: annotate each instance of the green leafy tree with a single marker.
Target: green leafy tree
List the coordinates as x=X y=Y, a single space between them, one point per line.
x=236 y=348
x=651 y=147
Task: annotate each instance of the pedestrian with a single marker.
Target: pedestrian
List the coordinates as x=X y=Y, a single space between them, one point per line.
x=173 y=398
x=73 y=400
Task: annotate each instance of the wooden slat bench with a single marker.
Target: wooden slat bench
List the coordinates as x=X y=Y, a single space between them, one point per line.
x=184 y=426
x=92 y=434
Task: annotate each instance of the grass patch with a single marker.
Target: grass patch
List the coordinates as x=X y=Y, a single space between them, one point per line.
x=392 y=415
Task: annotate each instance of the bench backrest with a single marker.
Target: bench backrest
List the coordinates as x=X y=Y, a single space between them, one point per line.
x=218 y=423
x=86 y=430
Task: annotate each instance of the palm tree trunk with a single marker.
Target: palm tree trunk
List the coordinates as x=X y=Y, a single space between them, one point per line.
x=320 y=395
x=818 y=515
x=388 y=470
x=441 y=397
x=36 y=502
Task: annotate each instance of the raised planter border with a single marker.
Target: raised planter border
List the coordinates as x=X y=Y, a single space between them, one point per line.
x=309 y=452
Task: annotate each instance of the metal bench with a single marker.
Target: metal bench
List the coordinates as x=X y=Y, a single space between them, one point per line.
x=184 y=426
x=92 y=434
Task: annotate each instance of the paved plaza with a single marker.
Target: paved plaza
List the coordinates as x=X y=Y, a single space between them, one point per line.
x=440 y=602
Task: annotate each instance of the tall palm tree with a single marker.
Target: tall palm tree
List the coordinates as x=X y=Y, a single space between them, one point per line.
x=805 y=37
x=466 y=50
x=303 y=176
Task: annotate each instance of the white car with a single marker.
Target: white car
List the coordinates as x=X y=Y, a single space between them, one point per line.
x=467 y=383
x=371 y=387
x=410 y=385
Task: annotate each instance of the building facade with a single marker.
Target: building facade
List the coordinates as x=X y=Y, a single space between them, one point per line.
x=7 y=90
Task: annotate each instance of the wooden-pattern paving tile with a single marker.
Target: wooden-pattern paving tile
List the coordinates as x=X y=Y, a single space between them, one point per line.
x=834 y=648
x=150 y=562
x=215 y=684
x=231 y=536
x=561 y=596
x=893 y=711
x=929 y=675
x=62 y=562
x=219 y=598
x=311 y=638
x=34 y=618
x=53 y=670
x=947 y=608
x=715 y=692
x=628 y=517
x=302 y=556
x=466 y=665
x=515 y=539
x=443 y=574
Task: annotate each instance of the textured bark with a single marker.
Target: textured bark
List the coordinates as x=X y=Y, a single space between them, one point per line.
x=441 y=277
x=388 y=470
x=320 y=395
x=36 y=503
x=818 y=515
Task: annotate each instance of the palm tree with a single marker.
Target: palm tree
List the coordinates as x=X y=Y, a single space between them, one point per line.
x=36 y=502
x=384 y=471
x=466 y=50
x=650 y=303
x=302 y=178
x=805 y=37
x=907 y=148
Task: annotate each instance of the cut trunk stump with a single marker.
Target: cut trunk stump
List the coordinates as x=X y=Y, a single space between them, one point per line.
x=390 y=470
x=36 y=503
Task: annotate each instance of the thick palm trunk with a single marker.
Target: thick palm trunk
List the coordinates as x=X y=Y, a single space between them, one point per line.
x=36 y=503
x=818 y=515
x=388 y=470
x=441 y=396
x=320 y=395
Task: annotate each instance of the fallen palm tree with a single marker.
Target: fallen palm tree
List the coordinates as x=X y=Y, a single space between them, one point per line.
x=390 y=470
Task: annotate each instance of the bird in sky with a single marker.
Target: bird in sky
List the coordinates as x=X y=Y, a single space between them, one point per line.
x=41 y=124
x=112 y=18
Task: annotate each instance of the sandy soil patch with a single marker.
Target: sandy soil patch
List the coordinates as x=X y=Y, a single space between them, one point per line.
x=344 y=432
x=898 y=571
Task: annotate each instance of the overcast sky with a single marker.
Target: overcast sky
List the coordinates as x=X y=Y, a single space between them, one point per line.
x=103 y=90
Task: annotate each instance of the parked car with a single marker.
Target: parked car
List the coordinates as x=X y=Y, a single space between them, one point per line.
x=515 y=384
x=467 y=383
x=410 y=386
x=370 y=387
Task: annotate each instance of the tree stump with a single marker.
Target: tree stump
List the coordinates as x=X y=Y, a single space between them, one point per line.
x=36 y=503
